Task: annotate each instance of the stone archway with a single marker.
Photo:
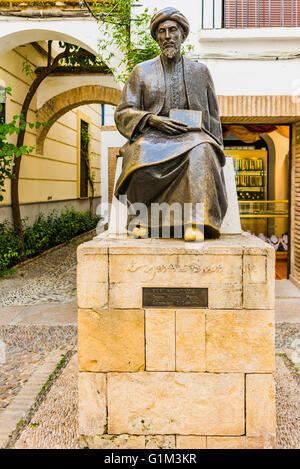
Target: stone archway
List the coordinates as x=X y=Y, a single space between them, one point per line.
x=79 y=31
x=57 y=106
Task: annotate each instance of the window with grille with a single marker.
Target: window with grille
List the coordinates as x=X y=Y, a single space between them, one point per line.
x=84 y=158
x=261 y=13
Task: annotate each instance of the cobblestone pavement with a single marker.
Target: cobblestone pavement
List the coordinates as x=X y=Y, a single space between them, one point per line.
x=25 y=349
x=27 y=346
x=51 y=279
x=287 y=405
x=286 y=334
x=47 y=279
x=18 y=367
x=54 y=425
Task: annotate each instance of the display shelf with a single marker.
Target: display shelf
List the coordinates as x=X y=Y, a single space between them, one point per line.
x=250 y=173
x=250 y=188
x=264 y=208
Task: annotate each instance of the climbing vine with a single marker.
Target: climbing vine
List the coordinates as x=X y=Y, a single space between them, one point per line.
x=8 y=150
x=86 y=138
x=127 y=34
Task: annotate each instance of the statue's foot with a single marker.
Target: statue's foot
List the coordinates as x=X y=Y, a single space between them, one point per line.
x=139 y=232
x=193 y=234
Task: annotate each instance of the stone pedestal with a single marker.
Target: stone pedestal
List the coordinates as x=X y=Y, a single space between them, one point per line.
x=174 y=374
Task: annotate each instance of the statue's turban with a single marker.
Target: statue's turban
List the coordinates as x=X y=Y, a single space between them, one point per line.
x=169 y=13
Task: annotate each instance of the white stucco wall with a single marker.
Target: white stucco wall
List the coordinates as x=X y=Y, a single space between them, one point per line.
x=256 y=78
x=109 y=139
x=254 y=61
x=250 y=61
x=55 y=85
x=192 y=9
x=82 y=32
x=109 y=114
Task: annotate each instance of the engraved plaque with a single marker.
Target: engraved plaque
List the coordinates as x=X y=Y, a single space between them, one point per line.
x=175 y=297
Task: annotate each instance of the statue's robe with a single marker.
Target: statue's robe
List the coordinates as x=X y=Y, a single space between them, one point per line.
x=158 y=167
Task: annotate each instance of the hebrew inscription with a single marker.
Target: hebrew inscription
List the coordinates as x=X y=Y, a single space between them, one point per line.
x=149 y=271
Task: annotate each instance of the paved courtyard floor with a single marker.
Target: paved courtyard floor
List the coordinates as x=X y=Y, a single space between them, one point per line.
x=38 y=315
x=54 y=425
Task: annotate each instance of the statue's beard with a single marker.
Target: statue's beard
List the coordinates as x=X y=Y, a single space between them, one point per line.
x=170 y=51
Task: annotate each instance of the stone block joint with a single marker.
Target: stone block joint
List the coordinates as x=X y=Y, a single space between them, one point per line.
x=177 y=377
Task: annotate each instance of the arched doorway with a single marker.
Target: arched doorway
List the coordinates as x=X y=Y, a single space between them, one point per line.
x=38 y=174
x=262 y=179
x=82 y=33
x=64 y=102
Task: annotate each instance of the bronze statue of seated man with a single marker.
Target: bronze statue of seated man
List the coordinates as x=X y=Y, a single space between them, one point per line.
x=165 y=161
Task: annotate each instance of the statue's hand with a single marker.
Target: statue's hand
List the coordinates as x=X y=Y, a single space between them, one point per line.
x=169 y=126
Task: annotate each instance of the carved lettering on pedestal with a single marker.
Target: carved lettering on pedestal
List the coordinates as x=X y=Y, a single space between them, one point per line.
x=149 y=272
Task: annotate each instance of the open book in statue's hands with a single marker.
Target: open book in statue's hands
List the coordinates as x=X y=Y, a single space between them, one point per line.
x=193 y=119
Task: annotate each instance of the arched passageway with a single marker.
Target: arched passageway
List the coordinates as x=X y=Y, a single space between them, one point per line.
x=64 y=102
x=81 y=32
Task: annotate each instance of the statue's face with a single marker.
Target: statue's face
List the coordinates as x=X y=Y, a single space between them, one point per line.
x=169 y=37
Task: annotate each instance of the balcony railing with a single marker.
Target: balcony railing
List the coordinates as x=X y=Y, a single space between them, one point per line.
x=249 y=13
